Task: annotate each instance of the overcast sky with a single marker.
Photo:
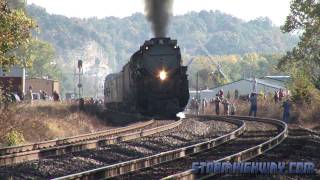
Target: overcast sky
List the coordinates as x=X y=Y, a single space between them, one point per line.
x=276 y=10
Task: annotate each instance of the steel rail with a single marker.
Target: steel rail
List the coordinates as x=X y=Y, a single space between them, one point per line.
x=72 y=139
x=244 y=155
x=312 y=132
x=16 y=154
x=141 y=163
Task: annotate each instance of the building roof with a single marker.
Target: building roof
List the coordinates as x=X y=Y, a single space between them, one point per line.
x=41 y=79
x=259 y=81
x=267 y=83
x=228 y=84
x=277 y=78
x=14 y=71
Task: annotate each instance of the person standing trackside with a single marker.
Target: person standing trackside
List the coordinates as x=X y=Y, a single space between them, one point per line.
x=281 y=95
x=217 y=104
x=28 y=96
x=253 y=104
x=233 y=108
x=194 y=106
x=286 y=110
x=198 y=103
x=236 y=94
x=203 y=105
x=226 y=106
x=42 y=95
x=56 y=96
x=276 y=96
x=220 y=94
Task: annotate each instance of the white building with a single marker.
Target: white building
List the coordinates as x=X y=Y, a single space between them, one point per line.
x=264 y=85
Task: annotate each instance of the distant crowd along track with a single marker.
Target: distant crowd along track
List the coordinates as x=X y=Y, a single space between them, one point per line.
x=17 y=154
x=151 y=166
x=141 y=163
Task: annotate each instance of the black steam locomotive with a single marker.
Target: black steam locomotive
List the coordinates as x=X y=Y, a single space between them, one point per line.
x=152 y=83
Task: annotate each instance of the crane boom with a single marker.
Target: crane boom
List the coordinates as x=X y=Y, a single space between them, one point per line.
x=190 y=62
x=211 y=58
x=204 y=49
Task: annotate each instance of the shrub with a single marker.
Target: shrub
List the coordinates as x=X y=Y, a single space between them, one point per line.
x=301 y=88
x=14 y=138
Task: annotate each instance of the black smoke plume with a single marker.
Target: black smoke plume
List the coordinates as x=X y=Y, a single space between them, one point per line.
x=158 y=12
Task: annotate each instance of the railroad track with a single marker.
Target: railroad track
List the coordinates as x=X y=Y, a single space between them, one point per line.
x=303 y=130
x=252 y=143
x=242 y=149
x=301 y=145
x=18 y=154
x=141 y=163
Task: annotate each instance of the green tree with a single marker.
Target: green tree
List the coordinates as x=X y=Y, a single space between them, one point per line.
x=304 y=18
x=16 y=4
x=42 y=57
x=301 y=87
x=15 y=28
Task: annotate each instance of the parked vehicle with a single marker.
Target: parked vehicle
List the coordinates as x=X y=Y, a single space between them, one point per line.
x=35 y=96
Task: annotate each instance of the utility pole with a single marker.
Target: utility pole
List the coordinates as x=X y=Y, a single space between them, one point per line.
x=95 y=83
x=75 y=79
x=197 y=91
x=79 y=75
x=198 y=99
x=81 y=101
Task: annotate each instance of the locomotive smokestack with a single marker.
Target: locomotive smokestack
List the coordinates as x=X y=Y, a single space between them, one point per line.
x=158 y=12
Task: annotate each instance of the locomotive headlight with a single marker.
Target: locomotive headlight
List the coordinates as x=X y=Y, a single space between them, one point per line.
x=163 y=75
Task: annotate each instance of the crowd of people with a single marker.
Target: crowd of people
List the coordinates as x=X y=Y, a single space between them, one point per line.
x=229 y=104
x=30 y=96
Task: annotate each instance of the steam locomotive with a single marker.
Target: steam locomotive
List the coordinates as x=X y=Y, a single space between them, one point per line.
x=152 y=83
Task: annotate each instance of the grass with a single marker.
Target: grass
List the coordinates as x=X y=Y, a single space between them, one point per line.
x=44 y=121
x=307 y=115
x=266 y=108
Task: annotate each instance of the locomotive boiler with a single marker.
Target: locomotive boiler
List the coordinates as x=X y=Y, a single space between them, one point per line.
x=152 y=83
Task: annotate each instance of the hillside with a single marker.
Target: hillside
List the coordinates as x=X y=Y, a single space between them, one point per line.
x=105 y=45
x=115 y=39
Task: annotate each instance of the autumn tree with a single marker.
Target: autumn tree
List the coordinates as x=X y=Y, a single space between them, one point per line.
x=15 y=28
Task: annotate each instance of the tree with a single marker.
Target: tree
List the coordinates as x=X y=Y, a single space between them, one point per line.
x=16 y=4
x=301 y=87
x=304 y=18
x=234 y=67
x=15 y=31
x=41 y=55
